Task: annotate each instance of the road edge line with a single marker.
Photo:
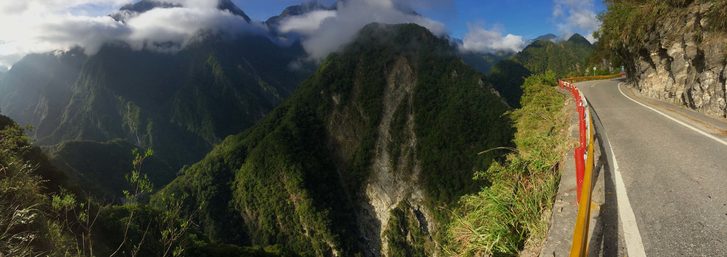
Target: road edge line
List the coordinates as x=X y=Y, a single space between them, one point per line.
x=675 y=120
x=632 y=236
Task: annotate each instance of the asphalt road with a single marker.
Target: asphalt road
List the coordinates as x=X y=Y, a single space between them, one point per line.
x=675 y=177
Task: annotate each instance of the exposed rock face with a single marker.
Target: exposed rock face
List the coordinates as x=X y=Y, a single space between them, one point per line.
x=683 y=63
x=395 y=180
x=394 y=184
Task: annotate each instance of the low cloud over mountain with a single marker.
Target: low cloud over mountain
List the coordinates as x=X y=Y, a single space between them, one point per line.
x=42 y=26
x=481 y=40
x=325 y=31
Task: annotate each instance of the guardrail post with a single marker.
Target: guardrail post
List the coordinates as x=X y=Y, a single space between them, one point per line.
x=580 y=162
x=580 y=170
x=582 y=124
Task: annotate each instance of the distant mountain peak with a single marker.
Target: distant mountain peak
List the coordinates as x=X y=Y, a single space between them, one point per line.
x=548 y=37
x=296 y=10
x=130 y=10
x=228 y=5
x=578 y=39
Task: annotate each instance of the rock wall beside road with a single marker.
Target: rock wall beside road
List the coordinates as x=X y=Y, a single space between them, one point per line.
x=684 y=62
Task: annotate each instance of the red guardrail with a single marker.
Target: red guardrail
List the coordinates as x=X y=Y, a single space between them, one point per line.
x=580 y=151
x=584 y=158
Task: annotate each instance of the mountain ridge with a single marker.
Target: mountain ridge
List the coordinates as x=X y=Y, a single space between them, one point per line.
x=179 y=103
x=133 y=9
x=350 y=157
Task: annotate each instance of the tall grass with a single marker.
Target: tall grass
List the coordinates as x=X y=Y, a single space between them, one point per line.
x=499 y=219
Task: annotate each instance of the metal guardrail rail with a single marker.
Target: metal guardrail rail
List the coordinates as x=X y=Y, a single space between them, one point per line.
x=584 y=160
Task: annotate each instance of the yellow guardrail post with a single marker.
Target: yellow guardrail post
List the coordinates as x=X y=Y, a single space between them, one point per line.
x=580 y=233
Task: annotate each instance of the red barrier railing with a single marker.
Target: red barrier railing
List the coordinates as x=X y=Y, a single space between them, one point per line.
x=584 y=158
x=580 y=151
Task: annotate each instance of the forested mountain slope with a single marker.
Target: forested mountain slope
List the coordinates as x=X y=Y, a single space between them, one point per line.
x=365 y=159
x=564 y=58
x=179 y=104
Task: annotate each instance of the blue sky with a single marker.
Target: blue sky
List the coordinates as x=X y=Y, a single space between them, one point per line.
x=528 y=18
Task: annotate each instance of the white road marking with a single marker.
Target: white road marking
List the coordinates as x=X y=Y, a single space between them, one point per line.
x=675 y=120
x=632 y=237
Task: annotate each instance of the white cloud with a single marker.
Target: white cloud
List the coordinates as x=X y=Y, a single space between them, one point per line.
x=196 y=4
x=307 y=23
x=576 y=16
x=180 y=25
x=328 y=32
x=33 y=26
x=481 y=40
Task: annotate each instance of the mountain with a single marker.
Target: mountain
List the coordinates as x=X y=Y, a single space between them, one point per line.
x=296 y=10
x=577 y=39
x=142 y=6
x=483 y=62
x=507 y=76
x=546 y=37
x=565 y=58
x=39 y=203
x=180 y=104
x=38 y=88
x=364 y=159
x=100 y=166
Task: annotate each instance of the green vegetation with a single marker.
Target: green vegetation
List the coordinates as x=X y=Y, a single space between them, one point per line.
x=406 y=237
x=100 y=166
x=511 y=209
x=39 y=217
x=298 y=178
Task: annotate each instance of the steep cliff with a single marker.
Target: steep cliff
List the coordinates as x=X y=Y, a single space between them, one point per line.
x=365 y=159
x=672 y=50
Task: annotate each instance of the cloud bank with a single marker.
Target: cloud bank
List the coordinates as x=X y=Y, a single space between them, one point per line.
x=481 y=40
x=325 y=32
x=33 y=26
x=576 y=16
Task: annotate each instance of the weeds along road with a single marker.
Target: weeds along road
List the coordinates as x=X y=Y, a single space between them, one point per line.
x=673 y=177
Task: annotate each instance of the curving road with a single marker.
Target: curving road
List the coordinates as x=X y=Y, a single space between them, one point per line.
x=668 y=181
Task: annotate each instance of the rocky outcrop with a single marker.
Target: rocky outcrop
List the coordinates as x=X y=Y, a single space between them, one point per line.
x=395 y=180
x=684 y=62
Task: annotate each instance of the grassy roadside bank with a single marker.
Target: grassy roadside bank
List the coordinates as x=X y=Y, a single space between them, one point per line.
x=503 y=216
